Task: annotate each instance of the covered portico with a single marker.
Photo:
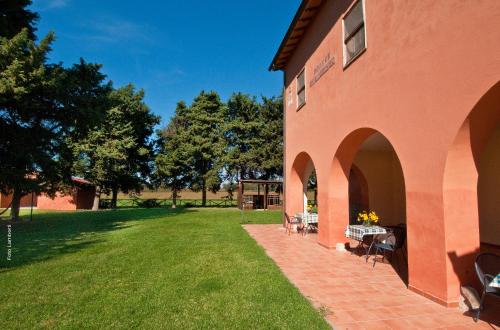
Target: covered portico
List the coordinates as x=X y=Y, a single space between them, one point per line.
x=351 y=293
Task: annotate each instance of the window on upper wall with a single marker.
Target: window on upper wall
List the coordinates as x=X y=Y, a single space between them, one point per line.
x=301 y=89
x=354 y=32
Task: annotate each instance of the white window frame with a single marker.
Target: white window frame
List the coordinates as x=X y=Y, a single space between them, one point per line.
x=344 y=51
x=300 y=106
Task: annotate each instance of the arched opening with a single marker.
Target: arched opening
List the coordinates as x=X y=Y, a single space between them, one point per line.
x=367 y=176
x=377 y=172
x=471 y=192
x=312 y=192
x=488 y=194
x=358 y=194
x=378 y=176
x=301 y=191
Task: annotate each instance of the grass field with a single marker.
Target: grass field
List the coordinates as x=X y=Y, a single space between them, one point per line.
x=156 y=268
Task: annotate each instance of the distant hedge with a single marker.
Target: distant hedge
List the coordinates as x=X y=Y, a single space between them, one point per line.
x=157 y=203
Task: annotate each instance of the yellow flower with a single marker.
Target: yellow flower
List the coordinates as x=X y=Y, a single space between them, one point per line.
x=363 y=216
x=368 y=216
x=373 y=216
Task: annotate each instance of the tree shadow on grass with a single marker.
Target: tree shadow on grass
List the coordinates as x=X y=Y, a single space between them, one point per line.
x=57 y=233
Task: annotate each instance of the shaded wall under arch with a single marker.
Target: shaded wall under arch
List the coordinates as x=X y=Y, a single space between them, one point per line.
x=358 y=194
x=488 y=190
x=385 y=183
x=460 y=190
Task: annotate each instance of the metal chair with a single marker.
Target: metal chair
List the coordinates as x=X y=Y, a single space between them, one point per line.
x=487 y=267
x=290 y=221
x=398 y=241
x=308 y=225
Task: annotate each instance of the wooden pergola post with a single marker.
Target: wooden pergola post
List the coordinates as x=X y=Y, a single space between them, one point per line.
x=240 y=195
x=258 y=194
x=266 y=192
x=256 y=198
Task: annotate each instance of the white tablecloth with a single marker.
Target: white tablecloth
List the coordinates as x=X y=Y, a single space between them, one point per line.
x=357 y=232
x=308 y=218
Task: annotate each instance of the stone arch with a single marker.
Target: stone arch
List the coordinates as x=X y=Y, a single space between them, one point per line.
x=338 y=186
x=302 y=168
x=460 y=190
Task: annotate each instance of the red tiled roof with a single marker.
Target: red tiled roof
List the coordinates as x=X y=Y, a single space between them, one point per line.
x=304 y=16
x=81 y=181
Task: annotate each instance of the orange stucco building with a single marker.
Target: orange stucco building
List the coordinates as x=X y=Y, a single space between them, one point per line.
x=396 y=106
x=79 y=197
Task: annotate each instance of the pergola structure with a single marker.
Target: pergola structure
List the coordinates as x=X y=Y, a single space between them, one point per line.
x=253 y=199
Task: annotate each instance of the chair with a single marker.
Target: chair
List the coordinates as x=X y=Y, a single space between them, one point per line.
x=290 y=221
x=308 y=224
x=393 y=242
x=487 y=267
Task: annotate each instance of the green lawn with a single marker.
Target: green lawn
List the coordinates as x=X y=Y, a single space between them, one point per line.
x=140 y=268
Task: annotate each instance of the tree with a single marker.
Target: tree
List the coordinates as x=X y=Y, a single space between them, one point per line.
x=230 y=188
x=240 y=140
x=203 y=143
x=242 y=136
x=172 y=161
x=117 y=155
x=39 y=112
x=270 y=151
x=254 y=137
x=14 y=17
x=83 y=88
x=312 y=184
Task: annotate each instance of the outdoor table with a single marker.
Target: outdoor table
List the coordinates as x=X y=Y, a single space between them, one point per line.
x=496 y=282
x=308 y=219
x=358 y=232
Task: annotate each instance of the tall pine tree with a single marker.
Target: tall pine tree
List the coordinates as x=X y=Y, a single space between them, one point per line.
x=172 y=161
x=118 y=154
x=14 y=16
x=242 y=129
x=41 y=107
x=253 y=133
x=270 y=151
x=204 y=143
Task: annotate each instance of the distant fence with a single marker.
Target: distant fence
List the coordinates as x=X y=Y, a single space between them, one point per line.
x=153 y=202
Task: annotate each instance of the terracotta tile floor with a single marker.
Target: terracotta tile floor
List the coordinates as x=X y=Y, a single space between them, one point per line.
x=352 y=294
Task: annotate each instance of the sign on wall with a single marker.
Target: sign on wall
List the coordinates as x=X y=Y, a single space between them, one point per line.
x=321 y=68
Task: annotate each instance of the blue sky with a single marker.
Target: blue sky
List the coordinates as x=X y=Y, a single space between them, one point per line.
x=174 y=48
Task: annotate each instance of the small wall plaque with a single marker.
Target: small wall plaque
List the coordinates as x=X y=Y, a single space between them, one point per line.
x=321 y=68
